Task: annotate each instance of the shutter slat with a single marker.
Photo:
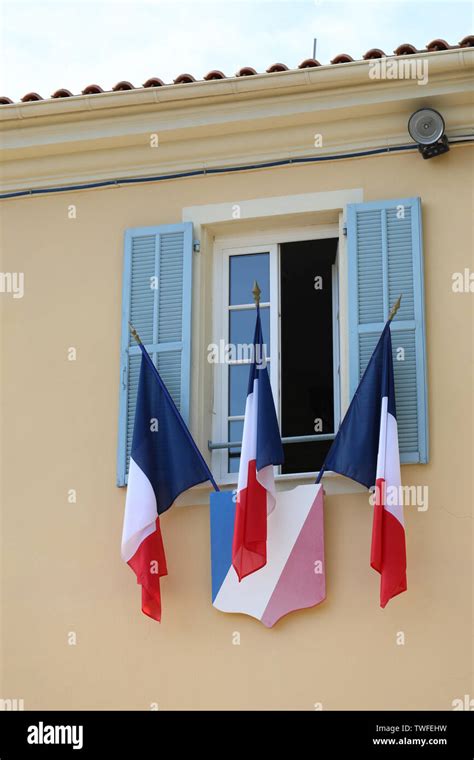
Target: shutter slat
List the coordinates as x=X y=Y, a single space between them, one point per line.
x=142 y=296
x=370 y=269
x=400 y=261
x=171 y=289
x=133 y=377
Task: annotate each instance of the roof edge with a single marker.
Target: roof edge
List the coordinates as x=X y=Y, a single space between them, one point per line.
x=335 y=76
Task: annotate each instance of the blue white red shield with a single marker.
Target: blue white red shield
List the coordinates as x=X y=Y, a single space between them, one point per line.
x=294 y=576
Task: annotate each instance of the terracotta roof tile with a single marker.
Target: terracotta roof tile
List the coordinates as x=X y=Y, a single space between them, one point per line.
x=438 y=45
x=342 y=58
x=123 y=85
x=154 y=82
x=30 y=96
x=373 y=53
x=184 y=79
x=62 y=93
x=214 y=74
x=277 y=67
x=92 y=89
x=309 y=63
x=245 y=71
x=405 y=49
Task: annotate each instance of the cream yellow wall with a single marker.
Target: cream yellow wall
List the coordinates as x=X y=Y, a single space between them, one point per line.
x=62 y=570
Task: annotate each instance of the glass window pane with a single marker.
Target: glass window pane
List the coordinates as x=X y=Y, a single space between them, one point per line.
x=236 y=430
x=243 y=271
x=242 y=327
x=238 y=384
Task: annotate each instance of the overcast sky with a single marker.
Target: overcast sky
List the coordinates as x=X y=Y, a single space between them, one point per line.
x=65 y=43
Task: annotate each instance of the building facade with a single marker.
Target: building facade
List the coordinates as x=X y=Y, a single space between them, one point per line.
x=161 y=205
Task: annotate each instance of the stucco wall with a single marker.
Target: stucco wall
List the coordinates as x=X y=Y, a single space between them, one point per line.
x=62 y=570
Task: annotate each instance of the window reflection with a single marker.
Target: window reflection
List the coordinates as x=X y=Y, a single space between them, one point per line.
x=243 y=271
x=242 y=326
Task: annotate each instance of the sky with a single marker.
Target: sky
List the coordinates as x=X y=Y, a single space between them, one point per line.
x=65 y=43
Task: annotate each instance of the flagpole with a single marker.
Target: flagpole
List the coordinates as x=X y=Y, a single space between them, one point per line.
x=169 y=398
x=256 y=293
x=395 y=308
x=393 y=311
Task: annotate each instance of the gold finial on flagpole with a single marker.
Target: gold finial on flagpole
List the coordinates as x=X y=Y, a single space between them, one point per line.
x=134 y=333
x=256 y=293
x=395 y=307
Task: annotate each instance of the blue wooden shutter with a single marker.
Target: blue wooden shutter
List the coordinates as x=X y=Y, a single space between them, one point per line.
x=385 y=259
x=157 y=282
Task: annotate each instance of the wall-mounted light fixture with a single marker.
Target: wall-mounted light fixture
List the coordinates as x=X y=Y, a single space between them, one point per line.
x=426 y=127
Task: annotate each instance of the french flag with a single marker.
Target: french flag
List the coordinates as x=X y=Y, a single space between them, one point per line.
x=164 y=462
x=261 y=450
x=366 y=450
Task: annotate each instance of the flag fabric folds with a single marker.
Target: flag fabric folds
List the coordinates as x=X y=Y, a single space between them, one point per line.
x=366 y=450
x=261 y=450
x=164 y=462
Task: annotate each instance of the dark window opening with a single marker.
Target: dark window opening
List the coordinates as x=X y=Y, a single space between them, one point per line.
x=306 y=361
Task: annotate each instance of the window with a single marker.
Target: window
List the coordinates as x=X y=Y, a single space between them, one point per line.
x=316 y=358
x=298 y=305
x=244 y=269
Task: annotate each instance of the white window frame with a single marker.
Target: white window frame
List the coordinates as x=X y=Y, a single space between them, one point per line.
x=212 y=220
x=261 y=242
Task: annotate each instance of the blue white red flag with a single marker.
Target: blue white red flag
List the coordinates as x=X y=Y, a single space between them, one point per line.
x=261 y=450
x=366 y=450
x=164 y=462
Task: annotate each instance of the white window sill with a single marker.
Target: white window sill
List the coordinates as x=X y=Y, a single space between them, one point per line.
x=332 y=482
